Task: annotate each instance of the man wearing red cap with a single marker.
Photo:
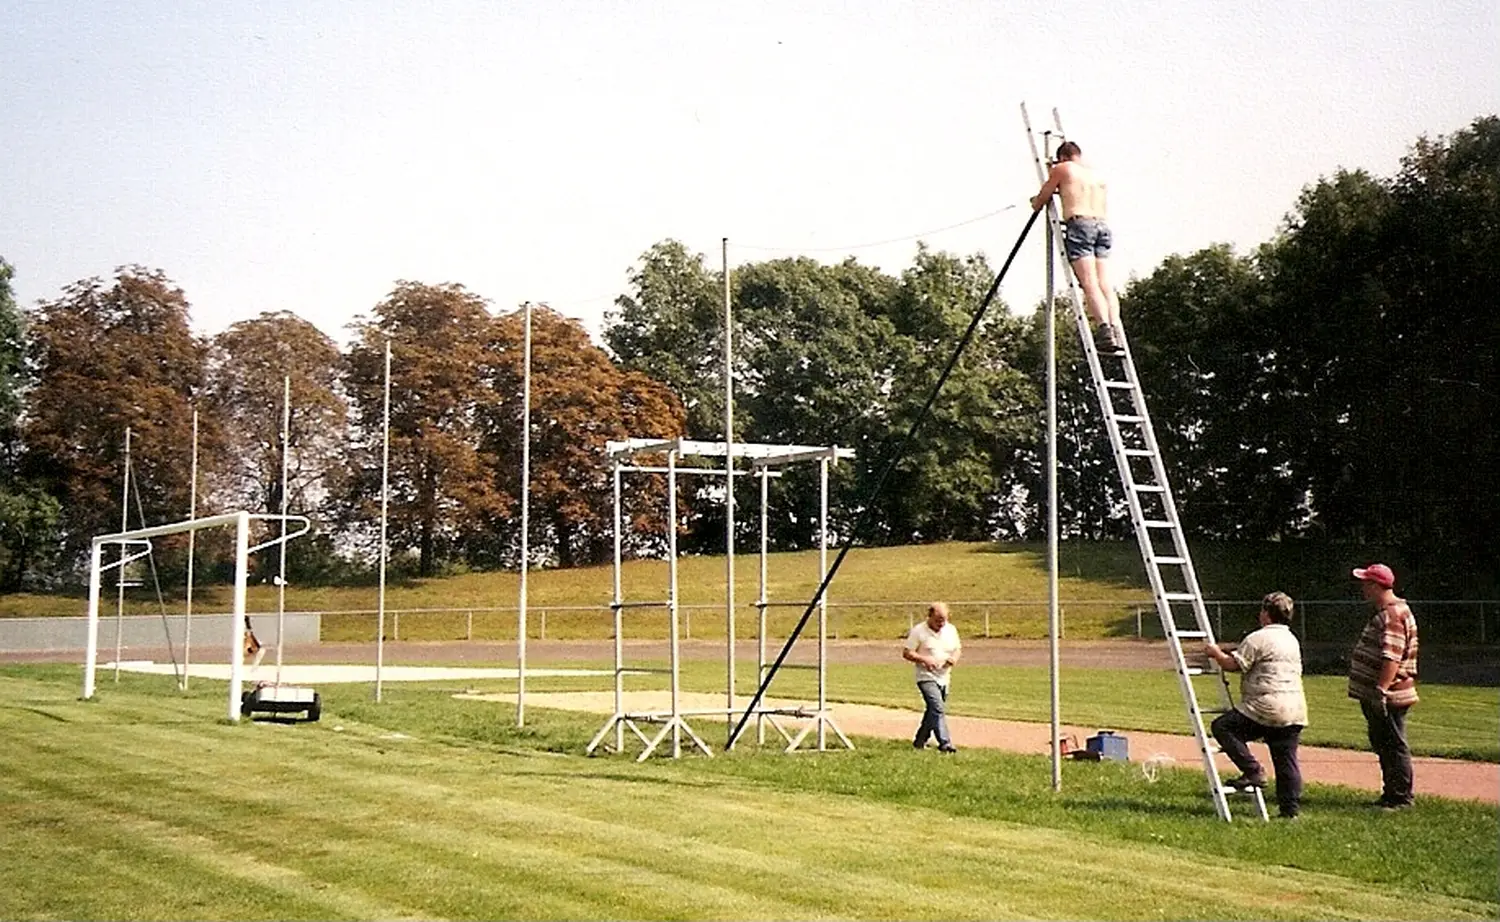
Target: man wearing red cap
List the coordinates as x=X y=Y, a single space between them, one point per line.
x=1383 y=679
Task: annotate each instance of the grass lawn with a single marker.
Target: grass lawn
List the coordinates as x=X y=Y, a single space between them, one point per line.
x=143 y=805
x=1100 y=584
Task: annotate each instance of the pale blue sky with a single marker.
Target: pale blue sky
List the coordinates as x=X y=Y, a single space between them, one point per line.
x=305 y=155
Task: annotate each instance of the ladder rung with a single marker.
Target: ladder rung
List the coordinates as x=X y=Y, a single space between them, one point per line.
x=1178 y=596
x=1130 y=419
x=1192 y=635
x=1139 y=453
x=1120 y=385
x=1152 y=523
x=1172 y=561
x=1148 y=488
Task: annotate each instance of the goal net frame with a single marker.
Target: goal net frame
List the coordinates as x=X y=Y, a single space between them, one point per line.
x=142 y=537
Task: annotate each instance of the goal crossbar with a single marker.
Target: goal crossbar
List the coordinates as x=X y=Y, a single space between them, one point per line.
x=242 y=549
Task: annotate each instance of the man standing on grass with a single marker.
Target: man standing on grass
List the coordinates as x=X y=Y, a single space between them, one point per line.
x=934 y=647
x=1383 y=679
x=1272 y=706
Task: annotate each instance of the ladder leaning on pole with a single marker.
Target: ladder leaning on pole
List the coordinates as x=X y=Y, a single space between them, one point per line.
x=1158 y=530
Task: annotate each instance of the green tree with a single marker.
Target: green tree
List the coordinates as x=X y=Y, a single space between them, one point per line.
x=442 y=485
x=961 y=477
x=107 y=356
x=28 y=516
x=670 y=328
x=1206 y=359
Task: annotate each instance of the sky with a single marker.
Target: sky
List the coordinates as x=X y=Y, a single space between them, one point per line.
x=304 y=155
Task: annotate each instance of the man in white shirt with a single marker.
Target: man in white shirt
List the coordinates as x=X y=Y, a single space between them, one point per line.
x=933 y=645
x=1272 y=706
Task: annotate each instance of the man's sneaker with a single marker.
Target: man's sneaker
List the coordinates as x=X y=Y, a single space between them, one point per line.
x=1105 y=340
x=948 y=748
x=917 y=745
x=1241 y=782
x=1391 y=806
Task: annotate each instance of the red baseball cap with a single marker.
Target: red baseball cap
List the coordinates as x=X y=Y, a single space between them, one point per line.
x=1376 y=573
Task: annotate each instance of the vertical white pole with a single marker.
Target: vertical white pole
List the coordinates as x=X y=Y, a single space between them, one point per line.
x=1054 y=616
x=823 y=599
x=286 y=441
x=760 y=655
x=525 y=523
x=672 y=598
x=187 y=630
x=728 y=487
x=237 y=621
x=120 y=573
x=91 y=652
x=619 y=624
x=385 y=502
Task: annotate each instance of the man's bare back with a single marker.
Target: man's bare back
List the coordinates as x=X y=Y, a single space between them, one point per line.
x=1082 y=189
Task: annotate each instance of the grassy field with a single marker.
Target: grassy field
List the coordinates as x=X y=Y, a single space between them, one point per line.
x=143 y=805
x=1101 y=584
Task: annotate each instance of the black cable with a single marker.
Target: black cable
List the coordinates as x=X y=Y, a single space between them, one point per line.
x=867 y=504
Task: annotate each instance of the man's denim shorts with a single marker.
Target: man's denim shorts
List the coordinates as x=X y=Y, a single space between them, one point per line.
x=1087 y=237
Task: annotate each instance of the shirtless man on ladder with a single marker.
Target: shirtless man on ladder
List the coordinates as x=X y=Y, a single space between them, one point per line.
x=1087 y=239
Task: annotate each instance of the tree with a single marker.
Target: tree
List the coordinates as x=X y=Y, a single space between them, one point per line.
x=12 y=367
x=249 y=363
x=959 y=479
x=670 y=328
x=816 y=371
x=580 y=399
x=108 y=356
x=443 y=488
x=28 y=516
x=1207 y=361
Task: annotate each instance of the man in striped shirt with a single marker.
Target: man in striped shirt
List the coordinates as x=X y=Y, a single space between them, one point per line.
x=1383 y=679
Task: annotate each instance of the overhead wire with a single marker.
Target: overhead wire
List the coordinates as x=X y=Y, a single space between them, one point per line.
x=877 y=243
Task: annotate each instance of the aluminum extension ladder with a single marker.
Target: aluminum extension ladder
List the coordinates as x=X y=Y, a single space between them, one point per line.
x=1169 y=566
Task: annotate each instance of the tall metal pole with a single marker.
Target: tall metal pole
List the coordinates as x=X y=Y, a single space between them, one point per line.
x=237 y=619
x=120 y=575
x=822 y=602
x=728 y=481
x=1053 y=617
x=187 y=630
x=525 y=522
x=385 y=503
x=619 y=620
x=286 y=438
x=672 y=601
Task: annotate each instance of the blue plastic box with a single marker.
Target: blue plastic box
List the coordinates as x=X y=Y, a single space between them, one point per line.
x=1110 y=745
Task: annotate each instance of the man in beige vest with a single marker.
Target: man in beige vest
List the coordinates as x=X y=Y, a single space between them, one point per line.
x=1086 y=239
x=1272 y=706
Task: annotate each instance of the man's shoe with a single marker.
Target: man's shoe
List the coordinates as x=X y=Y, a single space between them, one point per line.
x=917 y=745
x=1289 y=816
x=1391 y=806
x=1242 y=782
x=1105 y=341
x=947 y=749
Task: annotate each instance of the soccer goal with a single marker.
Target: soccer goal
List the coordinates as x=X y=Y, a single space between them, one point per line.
x=131 y=544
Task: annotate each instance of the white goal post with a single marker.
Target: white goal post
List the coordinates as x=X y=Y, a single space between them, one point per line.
x=143 y=536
